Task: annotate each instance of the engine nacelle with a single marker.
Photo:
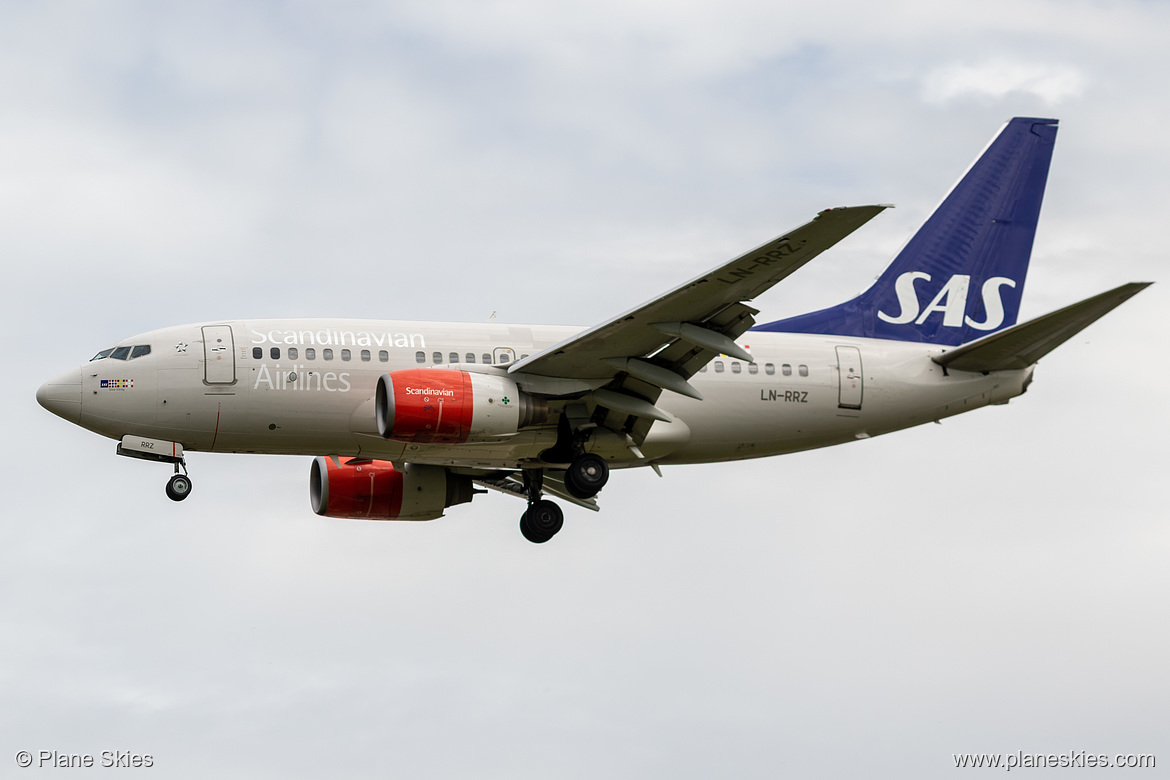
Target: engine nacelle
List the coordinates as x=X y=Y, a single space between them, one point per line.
x=375 y=490
x=447 y=406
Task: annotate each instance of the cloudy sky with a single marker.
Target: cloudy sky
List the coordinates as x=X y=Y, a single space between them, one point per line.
x=995 y=584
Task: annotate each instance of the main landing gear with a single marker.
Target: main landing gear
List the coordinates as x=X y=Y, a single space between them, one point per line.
x=586 y=475
x=584 y=478
x=542 y=519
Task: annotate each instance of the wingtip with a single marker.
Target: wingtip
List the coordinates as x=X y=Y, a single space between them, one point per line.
x=875 y=208
x=1133 y=288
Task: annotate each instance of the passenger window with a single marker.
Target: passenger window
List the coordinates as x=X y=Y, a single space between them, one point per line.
x=487 y=359
x=470 y=358
x=703 y=369
x=310 y=353
x=420 y=357
x=523 y=357
x=258 y=353
x=769 y=369
x=786 y=370
x=293 y=353
x=753 y=368
x=383 y=356
x=803 y=370
x=140 y=350
x=327 y=353
x=437 y=357
x=274 y=353
x=736 y=367
x=365 y=356
x=121 y=353
x=105 y=353
x=345 y=355
x=454 y=357
x=718 y=366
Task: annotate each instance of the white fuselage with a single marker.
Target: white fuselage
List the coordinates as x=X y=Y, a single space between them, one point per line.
x=306 y=387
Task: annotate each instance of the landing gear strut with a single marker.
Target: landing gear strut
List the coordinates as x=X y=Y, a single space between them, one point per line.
x=586 y=475
x=541 y=521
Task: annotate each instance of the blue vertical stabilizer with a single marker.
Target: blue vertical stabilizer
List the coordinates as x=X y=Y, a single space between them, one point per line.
x=962 y=274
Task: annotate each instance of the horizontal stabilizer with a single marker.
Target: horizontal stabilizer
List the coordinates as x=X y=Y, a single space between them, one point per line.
x=1022 y=345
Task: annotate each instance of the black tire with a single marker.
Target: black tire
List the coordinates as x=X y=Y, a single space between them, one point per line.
x=586 y=476
x=179 y=487
x=528 y=532
x=541 y=522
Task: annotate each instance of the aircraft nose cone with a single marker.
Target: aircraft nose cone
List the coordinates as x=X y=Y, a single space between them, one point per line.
x=62 y=395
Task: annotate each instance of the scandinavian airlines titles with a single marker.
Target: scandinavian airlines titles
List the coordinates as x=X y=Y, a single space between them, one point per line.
x=333 y=337
x=297 y=378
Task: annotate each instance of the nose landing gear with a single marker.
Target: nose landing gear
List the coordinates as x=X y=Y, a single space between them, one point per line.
x=179 y=486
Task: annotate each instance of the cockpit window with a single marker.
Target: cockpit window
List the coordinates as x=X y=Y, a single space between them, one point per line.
x=122 y=353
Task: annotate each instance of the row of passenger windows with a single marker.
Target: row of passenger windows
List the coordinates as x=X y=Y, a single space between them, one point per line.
x=736 y=366
x=453 y=357
x=326 y=354
x=293 y=353
x=754 y=368
x=122 y=353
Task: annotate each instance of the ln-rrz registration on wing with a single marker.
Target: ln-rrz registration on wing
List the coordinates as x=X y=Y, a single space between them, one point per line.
x=406 y=419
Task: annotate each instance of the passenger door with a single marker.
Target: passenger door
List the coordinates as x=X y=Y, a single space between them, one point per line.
x=851 y=384
x=219 y=355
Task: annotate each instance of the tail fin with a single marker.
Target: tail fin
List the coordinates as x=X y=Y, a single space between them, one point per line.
x=961 y=276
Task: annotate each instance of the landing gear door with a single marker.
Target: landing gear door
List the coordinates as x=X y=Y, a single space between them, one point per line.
x=851 y=385
x=219 y=355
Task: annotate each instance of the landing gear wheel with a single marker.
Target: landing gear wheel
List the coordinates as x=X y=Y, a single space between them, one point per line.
x=179 y=487
x=586 y=476
x=541 y=522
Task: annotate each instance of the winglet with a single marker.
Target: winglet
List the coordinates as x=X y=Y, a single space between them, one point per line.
x=1021 y=346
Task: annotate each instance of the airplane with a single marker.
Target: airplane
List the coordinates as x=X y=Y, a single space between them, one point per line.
x=407 y=419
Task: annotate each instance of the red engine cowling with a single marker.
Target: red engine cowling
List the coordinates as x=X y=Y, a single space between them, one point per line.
x=375 y=490
x=448 y=406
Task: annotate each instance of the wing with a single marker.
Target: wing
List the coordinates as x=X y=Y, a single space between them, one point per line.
x=662 y=343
